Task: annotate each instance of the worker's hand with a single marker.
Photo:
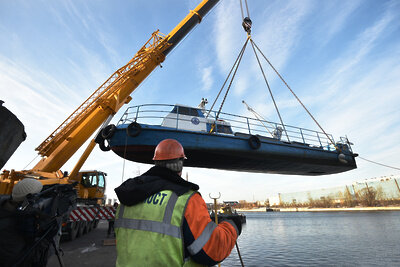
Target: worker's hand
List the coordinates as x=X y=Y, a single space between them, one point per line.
x=236 y=221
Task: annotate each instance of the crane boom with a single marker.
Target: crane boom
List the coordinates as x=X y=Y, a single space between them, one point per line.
x=113 y=94
x=97 y=110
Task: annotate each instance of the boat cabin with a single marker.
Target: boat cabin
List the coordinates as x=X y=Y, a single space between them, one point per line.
x=193 y=119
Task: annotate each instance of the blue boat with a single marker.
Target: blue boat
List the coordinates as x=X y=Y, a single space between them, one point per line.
x=232 y=142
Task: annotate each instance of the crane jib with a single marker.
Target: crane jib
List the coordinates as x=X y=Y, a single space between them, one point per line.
x=83 y=122
x=187 y=24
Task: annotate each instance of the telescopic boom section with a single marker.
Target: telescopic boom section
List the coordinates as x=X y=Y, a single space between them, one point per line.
x=57 y=149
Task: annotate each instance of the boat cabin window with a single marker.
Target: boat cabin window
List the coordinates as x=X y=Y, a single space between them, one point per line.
x=194 y=112
x=224 y=129
x=220 y=128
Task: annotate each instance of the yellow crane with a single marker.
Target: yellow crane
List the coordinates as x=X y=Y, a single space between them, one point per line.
x=96 y=112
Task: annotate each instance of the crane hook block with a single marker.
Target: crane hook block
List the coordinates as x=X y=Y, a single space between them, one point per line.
x=247 y=24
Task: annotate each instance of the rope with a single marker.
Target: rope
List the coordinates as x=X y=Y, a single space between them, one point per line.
x=233 y=76
x=269 y=88
x=295 y=96
x=30 y=162
x=123 y=162
x=220 y=91
x=247 y=9
x=237 y=63
x=241 y=9
x=379 y=163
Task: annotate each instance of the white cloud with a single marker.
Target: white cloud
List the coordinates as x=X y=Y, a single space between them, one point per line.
x=338 y=12
x=207 y=78
x=277 y=37
x=228 y=41
x=358 y=49
x=240 y=85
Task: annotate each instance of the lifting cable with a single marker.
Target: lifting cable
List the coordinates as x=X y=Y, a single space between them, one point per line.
x=298 y=99
x=233 y=77
x=247 y=26
x=124 y=160
x=379 y=163
x=31 y=162
x=234 y=67
x=247 y=23
x=269 y=89
x=247 y=9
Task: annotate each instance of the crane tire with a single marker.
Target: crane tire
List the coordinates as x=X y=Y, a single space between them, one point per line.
x=108 y=131
x=73 y=231
x=134 y=129
x=80 y=229
x=254 y=142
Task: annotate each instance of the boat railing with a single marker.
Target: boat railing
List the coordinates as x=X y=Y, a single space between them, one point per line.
x=154 y=114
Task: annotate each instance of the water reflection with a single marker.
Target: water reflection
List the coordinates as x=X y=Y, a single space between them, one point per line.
x=319 y=239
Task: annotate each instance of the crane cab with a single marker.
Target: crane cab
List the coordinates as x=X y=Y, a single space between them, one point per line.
x=92 y=184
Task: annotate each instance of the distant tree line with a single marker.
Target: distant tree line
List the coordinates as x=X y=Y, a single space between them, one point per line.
x=366 y=197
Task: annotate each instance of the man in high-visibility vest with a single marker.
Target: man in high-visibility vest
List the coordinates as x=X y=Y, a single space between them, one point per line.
x=163 y=221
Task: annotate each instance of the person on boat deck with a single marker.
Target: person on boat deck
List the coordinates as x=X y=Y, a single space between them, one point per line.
x=277 y=134
x=163 y=221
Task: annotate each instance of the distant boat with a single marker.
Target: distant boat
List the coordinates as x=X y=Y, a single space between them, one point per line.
x=268 y=209
x=228 y=213
x=232 y=142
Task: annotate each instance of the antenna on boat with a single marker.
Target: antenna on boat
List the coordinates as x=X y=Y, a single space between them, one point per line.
x=258 y=116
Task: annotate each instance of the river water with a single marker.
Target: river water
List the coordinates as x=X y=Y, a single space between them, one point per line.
x=319 y=239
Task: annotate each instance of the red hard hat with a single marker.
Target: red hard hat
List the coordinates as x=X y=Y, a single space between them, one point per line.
x=169 y=149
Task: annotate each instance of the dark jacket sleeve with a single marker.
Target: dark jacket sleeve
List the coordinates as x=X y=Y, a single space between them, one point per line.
x=205 y=242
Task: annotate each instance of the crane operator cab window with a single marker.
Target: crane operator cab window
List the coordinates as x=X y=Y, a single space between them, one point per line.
x=102 y=180
x=89 y=179
x=93 y=179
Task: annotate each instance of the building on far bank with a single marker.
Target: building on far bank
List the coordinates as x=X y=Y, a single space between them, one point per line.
x=274 y=200
x=231 y=203
x=384 y=188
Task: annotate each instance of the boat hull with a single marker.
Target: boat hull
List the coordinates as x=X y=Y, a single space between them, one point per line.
x=231 y=152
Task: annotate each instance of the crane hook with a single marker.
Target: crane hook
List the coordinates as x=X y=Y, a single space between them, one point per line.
x=247 y=25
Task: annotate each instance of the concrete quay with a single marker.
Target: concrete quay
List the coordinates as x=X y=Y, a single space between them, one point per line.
x=92 y=249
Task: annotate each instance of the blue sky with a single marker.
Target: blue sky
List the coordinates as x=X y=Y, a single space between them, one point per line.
x=340 y=57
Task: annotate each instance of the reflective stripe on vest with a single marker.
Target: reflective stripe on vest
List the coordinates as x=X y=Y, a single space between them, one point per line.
x=164 y=227
x=199 y=243
x=150 y=233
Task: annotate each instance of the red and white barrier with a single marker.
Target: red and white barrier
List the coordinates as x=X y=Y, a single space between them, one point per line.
x=92 y=213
